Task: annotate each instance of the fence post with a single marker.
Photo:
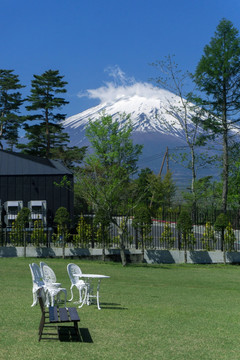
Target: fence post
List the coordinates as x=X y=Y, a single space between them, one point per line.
x=24 y=242
x=179 y=240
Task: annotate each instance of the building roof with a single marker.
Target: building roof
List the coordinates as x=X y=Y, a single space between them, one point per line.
x=13 y=163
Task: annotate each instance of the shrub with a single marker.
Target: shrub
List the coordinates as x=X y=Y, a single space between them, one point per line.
x=167 y=236
x=209 y=239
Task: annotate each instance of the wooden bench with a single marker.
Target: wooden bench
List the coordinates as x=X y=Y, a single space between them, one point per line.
x=54 y=316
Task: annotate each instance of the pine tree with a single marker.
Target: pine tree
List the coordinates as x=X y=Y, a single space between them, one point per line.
x=218 y=76
x=45 y=104
x=10 y=102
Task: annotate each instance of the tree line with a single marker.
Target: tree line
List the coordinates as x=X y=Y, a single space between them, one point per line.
x=44 y=132
x=214 y=105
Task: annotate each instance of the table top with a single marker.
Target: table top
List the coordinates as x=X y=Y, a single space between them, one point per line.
x=92 y=276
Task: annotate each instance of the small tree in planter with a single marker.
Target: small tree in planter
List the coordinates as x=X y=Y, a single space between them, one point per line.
x=230 y=237
x=62 y=219
x=185 y=226
x=209 y=239
x=167 y=236
x=18 y=232
x=220 y=225
x=38 y=235
x=142 y=222
x=102 y=224
x=84 y=233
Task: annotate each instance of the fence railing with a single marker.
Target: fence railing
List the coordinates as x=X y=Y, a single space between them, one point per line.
x=162 y=233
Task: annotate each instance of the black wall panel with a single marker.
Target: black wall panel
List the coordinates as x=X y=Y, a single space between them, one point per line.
x=38 y=187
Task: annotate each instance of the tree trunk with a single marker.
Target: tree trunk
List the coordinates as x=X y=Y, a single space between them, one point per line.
x=223 y=246
x=47 y=133
x=122 y=250
x=24 y=242
x=185 y=249
x=136 y=238
x=103 y=253
x=194 y=204
x=225 y=174
x=63 y=246
x=225 y=153
x=142 y=245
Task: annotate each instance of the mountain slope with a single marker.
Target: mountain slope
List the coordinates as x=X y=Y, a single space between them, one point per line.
x=148 y=114
x=156 y=124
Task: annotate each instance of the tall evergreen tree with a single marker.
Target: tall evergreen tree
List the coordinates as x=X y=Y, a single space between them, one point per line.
x=10 y=102
x=46 y=102
x=218 y=76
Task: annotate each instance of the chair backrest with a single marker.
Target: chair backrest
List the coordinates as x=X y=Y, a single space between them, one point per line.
x=36 y=274
x=72 y=270
x=48 y=274
x=41 y=266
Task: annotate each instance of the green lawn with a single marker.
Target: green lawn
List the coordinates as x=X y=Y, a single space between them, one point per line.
x=148 y=312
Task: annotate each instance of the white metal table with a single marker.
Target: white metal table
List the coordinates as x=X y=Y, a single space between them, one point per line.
x=90 y=277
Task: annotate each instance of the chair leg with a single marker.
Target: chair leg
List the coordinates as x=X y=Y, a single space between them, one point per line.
x=83 y=294
x=65 y=297
x=34 y=299
x=71 y=289
x=98 y=289
x=41 y=326
x=47 y=301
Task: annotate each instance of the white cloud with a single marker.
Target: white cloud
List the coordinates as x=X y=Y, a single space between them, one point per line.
x=119 y=76
x=121 y=87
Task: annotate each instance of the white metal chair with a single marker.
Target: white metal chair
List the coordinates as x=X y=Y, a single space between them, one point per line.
x=83 y=287
x=38 y=282
x=52 y=288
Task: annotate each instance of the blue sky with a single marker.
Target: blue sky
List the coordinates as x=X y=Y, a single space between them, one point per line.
x=89 y=41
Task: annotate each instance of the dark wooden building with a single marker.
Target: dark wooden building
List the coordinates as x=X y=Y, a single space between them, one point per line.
x=27 y=178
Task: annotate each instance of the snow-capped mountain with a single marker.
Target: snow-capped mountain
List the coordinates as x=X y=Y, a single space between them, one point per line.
x=148 y=114
x=156 y=118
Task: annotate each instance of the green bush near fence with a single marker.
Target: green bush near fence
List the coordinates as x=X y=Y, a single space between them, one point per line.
x=140 y=233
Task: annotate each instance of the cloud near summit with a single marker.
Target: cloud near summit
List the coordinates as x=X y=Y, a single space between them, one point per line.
x=121 y=87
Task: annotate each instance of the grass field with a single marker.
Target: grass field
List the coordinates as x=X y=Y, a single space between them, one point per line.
x=148 y=312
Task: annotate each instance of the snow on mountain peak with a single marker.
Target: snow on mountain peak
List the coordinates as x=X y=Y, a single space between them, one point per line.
x=156 y=116
x=149 y=108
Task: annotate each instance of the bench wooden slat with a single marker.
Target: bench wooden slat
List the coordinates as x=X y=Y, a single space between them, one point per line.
x=53 y=314
x=73 y=314
x=63 y=315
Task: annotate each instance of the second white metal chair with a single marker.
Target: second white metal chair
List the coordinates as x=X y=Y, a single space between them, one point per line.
x=75 y=273
x=52 y=288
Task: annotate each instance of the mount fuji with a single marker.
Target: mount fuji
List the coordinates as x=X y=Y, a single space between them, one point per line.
x=156 y=124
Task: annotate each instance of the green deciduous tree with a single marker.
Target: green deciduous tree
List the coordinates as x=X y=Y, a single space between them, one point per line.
x=106 y=177
x=156 y=191
x=184 y=111
x=142 y=223
x=10 y=102
x=62 y=219
x=222 y=221
x=142 y=186
x=185 y=226
x=163 y=191
x=218 y=77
